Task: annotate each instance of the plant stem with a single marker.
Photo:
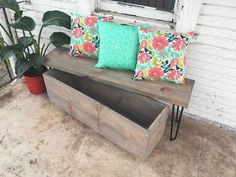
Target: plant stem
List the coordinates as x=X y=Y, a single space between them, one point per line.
x=5 y=43
x=39 y=37
x=26 y=53
x=27 y=46
x=8 y=25
x=9 y=36
x=34 y=42
x=42 y=49
x=46 y=48
x=31 y=48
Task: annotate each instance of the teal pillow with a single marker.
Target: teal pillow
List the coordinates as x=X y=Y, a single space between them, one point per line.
x=118 y=46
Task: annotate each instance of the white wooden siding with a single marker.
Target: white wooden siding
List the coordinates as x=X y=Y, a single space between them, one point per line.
x=211 y=59
x=212 y=63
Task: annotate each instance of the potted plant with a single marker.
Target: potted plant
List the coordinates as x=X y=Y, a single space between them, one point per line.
x=28 y=51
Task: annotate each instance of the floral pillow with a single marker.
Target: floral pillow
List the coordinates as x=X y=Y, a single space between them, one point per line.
x=162 y=56
x=85 y=38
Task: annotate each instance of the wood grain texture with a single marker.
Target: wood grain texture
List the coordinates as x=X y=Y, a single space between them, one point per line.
x=158 y=90
x=117 y=125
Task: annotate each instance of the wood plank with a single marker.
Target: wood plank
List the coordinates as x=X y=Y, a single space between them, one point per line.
x=137 y=108
x=217 y=21
x=127 y=103
x=158 y=90
x=215 y=10
x=229 y=3
x=120 y=129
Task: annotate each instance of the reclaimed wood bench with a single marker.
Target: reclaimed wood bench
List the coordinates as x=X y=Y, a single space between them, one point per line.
x=82 y=90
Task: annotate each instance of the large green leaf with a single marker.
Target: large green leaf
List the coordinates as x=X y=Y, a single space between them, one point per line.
x=18 y=15
x=1 y=42
x=58 y=39
x=22 y=65
x=10 y=4
x=25 y=41
x=24 y=23
x=8 y=51
x=37 y=60
x=57 y=18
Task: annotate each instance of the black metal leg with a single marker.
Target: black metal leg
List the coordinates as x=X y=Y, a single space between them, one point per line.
x=178 y=117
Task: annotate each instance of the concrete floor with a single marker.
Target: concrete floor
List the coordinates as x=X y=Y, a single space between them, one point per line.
x=37 y=139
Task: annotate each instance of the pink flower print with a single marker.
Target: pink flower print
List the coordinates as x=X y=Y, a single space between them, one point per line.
x=77 y=33
x=143 y=44
x=144 y=30
x=106 y=19
x=76 y=21
x=174 y=62
x=76 y=50
x=139 y=74
x=184 y=60
x=179 y=44
x=174 y=75
x=143 y=57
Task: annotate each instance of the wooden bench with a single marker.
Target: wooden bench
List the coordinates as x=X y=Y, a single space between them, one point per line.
x=117 y=90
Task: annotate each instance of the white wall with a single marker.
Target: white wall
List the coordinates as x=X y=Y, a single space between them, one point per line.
x=211 y=58
x=212 y=63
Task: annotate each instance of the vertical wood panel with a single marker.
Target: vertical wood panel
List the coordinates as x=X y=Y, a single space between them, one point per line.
x=144 y=2
x=167 y=5
x=152 y=3
x=128 y=1
x=136 y=1
x=159 y=4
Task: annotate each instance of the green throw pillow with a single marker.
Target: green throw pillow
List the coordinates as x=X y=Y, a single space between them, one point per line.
x=118 y=46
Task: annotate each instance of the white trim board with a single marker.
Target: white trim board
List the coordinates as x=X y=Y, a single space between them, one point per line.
x=184 y=18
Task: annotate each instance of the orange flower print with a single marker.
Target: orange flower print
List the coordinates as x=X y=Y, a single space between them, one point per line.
x=159 y=43
x=90 y=21
x=174 y=75
x=179 y=44
x=143 y=57
x=89 y=47
x=155 y=72
x=77 y=33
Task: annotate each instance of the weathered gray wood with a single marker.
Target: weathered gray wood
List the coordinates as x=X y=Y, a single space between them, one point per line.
x=119 y=100
x=124 y=130
x=156 y=130
x=158 y=90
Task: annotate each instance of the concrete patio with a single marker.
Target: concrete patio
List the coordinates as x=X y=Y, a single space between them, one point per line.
x=37 y=139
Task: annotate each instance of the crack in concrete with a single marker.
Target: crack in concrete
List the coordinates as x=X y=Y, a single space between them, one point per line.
x=202 y=149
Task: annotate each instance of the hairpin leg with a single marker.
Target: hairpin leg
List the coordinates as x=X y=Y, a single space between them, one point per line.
x=178 y=117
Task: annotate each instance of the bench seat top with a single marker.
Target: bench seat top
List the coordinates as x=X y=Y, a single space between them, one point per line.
x=158 y=90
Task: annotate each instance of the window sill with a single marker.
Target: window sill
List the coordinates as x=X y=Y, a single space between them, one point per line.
x=134 y=20
x=132 y=9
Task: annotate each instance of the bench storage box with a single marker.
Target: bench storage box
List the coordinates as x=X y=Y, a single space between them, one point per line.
x=130 y=120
